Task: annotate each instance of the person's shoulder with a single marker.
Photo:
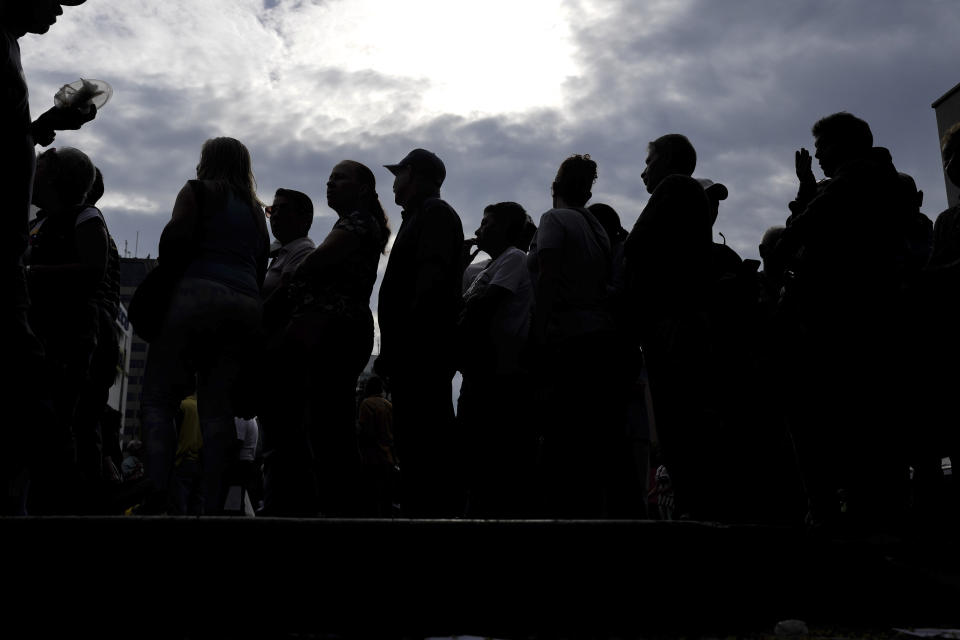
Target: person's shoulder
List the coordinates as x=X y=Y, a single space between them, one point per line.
x=949 y=216
x=679 y=183
x=512 y=256
x=90 y=213
x=438 y=208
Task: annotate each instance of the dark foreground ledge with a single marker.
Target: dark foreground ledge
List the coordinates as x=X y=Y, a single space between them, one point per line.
x=260 y=577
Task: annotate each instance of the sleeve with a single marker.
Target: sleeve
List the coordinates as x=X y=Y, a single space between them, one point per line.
x=550 y=232
x=509 y=271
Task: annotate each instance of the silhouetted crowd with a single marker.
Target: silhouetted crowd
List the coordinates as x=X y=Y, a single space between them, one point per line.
x=605 y=373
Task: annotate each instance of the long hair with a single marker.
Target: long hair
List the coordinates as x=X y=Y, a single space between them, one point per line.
x=226 y=162
x=371 y=203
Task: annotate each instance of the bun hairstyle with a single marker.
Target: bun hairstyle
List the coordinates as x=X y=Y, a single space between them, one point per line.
x=575 y=179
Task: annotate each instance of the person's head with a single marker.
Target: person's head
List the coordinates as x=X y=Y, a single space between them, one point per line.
x=772 y=261
x=32 y=16
x=133 y=448
x=912 y=195
x=840 y=138
x=291 y=215
x=504 y=225
x=668 y=155
x=420 y=174
x=353 y=187
x=950 y=152
x=610 y=219
x=227 y=161
x=574 y=181
x=64 y=177
x=96 y=191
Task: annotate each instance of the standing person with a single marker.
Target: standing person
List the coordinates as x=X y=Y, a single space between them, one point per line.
x=66 y=262
x=375 y=437
x=313 y=462
x=668 y=262
x=495 y=397
x=846 y=298
x=18 y=136
x=217 y=238
x=105 y=360
x=291 y=216
x=420 y=298
x=574 y=342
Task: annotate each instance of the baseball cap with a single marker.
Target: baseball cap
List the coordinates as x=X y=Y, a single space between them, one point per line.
x=423 y=161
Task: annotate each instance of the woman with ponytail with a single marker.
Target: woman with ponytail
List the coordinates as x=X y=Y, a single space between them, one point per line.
x=313 y=462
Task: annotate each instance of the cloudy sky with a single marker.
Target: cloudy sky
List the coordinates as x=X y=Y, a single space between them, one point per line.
x=501 y=90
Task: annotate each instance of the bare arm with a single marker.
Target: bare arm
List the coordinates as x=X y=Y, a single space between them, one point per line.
x=177 y=239
x=334 y=249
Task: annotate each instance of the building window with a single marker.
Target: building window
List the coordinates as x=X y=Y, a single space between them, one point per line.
x=139 y=346
x=137 y=364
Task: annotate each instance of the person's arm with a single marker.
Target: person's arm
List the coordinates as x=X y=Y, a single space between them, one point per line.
x=480 y=308
x=335 y=248
x=545 y=290
x=178 y=237
x=438 y=265
x=43 y=129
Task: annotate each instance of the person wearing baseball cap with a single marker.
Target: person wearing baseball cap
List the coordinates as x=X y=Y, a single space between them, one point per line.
x=419 y=303
x=18 y=136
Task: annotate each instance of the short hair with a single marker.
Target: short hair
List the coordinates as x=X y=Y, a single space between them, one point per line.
x=950 y=142
x=575 y=179
x=846 y=130
x=679 y=152
x=515 y=220
x=96 y=190
x=302 y=202
x=75 y=173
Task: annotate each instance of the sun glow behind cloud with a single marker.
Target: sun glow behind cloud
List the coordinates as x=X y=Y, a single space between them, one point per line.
x=499 y=56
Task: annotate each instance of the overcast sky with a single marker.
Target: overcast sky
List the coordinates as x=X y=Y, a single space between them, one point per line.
x=501 y=90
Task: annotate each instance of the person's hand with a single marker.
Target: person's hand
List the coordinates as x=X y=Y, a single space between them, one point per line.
x=466 y=256
x=64 y=119
x=804 y=166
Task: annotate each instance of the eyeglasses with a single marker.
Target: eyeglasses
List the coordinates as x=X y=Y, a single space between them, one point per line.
x=270 y=210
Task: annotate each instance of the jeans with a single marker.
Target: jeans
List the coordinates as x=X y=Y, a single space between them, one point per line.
x=204 y=344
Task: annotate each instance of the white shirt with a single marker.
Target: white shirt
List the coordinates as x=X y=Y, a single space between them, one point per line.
x=288 y=259
x=584 y=272
x=511 y=321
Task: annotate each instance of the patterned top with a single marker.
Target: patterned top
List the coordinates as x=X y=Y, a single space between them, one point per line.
x=343 y=288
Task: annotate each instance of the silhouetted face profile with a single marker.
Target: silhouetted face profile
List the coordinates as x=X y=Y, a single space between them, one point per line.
x=828 y=155
x=33 y=16
x=657 y=168
x=282 y=219
x=404 y=186
x=492 y=234
x=344 y=189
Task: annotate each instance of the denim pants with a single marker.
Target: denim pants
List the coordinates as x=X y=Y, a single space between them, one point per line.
x=207 y=336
